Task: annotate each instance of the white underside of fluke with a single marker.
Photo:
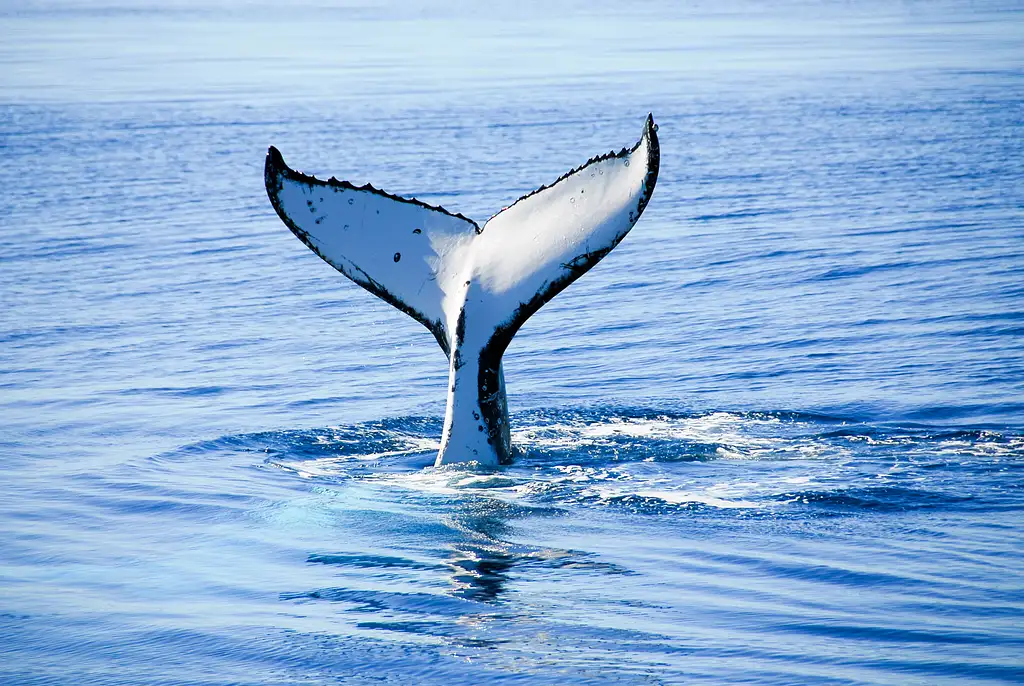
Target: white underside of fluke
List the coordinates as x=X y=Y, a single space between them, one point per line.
x=472 y=287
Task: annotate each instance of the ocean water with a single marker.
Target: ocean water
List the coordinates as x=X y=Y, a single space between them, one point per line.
x=776 y=437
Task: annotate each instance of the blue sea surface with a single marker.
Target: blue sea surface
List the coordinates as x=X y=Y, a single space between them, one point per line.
x=775 y=437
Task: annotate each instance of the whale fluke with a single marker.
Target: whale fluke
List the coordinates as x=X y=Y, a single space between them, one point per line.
x=473 y=287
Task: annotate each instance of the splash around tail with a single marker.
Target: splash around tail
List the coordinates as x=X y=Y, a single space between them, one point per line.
x=473 y=287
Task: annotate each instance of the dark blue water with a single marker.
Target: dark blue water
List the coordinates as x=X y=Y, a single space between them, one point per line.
x=776 y=437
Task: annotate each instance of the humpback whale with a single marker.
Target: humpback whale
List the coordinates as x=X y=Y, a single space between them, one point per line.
x=472 y=286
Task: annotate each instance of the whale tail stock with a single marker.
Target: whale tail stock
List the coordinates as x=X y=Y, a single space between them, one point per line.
x=473 y=287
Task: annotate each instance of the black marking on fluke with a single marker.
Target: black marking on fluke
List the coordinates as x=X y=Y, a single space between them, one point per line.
x=275 y=170
x=276 y=162
x=650 y=130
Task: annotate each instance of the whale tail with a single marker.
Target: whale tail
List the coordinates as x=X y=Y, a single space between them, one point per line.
x=473 y=287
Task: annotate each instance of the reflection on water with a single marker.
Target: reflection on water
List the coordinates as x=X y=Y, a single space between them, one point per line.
x=480 y=567
x=480 y=572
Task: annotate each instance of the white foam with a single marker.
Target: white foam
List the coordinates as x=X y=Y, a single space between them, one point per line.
x=335 y=465
x=737 y=437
